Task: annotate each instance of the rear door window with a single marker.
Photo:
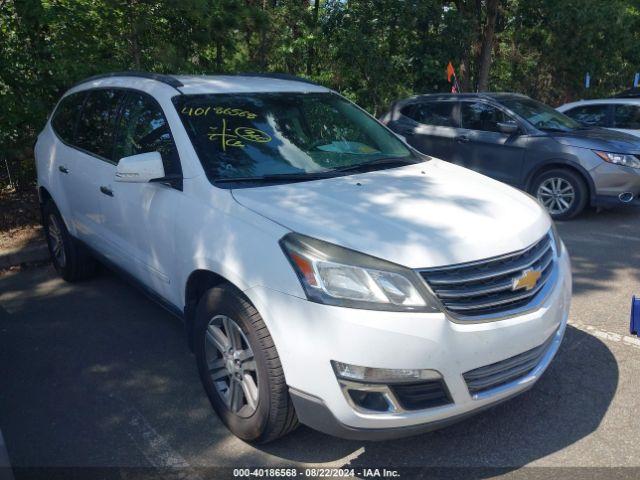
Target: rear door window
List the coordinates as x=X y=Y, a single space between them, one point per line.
x=432 y=113
x=482 y=116
x=143 y=128
x=95 y=132
x=594 y=115
x=627 y=116
x=66 y=115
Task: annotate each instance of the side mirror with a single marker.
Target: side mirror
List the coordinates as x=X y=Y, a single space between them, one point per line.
x=508 y=127
x=141 y=168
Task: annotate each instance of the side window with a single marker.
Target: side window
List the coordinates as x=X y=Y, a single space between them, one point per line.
x=408 y=111
x=595 y=115
x=95 y=130
x=143 y=128
x=432 y=113
x=66 y=115
x=482 y=116
x=627 y=116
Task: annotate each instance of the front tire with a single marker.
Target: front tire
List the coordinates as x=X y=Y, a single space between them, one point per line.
x=69 y=258
x=240 y=369
x=562 y=192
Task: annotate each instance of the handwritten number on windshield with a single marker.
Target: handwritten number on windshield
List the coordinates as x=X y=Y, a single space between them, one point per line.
x=236 y=137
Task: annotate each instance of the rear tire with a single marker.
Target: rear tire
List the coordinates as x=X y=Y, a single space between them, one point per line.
x=562 y=192
x=69 y=258
x=235 y=353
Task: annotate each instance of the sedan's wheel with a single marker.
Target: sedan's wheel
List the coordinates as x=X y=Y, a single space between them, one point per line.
x=240 y=368
x=562 y=192
x=231 y=365
x=69 y=258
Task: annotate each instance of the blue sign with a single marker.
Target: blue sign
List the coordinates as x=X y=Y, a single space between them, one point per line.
x=587 y=80
x=634 y=327
x=636 y=80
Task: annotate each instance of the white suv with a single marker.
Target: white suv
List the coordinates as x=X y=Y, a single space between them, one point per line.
x=326 y=272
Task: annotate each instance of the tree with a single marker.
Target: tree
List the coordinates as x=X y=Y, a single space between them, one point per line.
x=372 y=51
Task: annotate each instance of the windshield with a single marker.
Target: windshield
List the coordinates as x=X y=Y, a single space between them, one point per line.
x=540 y=115
x=240 y=136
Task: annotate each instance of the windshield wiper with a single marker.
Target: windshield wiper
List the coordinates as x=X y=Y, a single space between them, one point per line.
x=294 y=177
x=274 y=177
x=389 y=161
x=554 y=129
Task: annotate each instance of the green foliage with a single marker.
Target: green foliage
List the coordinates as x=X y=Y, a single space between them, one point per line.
x=372 y=51
x=549 y=46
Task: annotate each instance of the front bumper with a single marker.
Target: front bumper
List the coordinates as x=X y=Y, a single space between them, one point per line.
x=309 y=335
x=611 y=181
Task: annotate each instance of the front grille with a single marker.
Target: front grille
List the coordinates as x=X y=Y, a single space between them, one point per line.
x=416 y=396
x=486 y=287
x=505 y=371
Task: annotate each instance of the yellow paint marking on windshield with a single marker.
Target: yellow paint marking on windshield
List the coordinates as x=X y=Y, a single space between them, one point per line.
x=252 y=134
x=233 y=138
x=222 y=111
x=234 y=112
x=195 y=111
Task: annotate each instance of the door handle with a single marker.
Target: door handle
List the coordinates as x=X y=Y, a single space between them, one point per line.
x=106 y=190
x=63 y=169
x=462 y=139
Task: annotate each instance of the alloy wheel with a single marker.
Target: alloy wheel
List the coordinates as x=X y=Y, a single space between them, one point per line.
x=56 y=241
x=557 y=195
x=232 y=365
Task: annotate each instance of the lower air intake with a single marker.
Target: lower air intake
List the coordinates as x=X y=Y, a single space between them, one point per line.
x=499 y=373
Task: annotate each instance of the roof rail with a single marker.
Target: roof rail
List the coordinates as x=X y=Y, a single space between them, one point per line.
x=167 y=79
x=279 y=76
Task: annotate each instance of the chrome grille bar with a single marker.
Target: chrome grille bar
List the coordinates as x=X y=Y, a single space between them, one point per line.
x=473 y=277
x=487 y=287
x=504 y=285
x=511 y=298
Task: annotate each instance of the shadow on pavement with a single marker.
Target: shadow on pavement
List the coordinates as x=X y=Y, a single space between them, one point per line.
x=601 y=245
x=96 y=375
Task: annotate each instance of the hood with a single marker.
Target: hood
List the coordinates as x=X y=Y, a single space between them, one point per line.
x=423 y=215
x=599 y=139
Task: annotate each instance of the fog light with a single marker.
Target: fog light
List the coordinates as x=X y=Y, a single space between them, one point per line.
x=375 y=401
x=381 y=375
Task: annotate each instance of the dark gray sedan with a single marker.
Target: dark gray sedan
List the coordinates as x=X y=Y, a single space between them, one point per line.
x=525 y=143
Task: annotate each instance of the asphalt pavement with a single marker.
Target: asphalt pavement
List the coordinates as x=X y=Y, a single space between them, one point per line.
x=95 y=375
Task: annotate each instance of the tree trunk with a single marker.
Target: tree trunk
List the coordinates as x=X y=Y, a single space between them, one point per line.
x=486 y=50
x=134 y=41
x=463 y=73
x=311 y=54
x=218 y=56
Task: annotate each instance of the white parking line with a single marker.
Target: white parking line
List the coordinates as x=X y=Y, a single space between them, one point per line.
x=610 y=336
x=604 y=235
x=155 y=447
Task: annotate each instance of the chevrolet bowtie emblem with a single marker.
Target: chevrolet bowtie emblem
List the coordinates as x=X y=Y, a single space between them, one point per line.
x=527 y=280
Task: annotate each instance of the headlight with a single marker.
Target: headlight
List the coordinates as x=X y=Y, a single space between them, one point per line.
x=619 y=158
x=334 y=275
